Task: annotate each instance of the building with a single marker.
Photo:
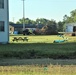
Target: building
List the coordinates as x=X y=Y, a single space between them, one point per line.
x=19 y=28
x=71 y=28
x=11 y=29
x=4 y=20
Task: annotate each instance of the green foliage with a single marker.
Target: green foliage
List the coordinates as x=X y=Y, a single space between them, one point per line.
x=26 y=21
x=71 y=18
x=11 y=23
x=42 y=21
x=60 y=26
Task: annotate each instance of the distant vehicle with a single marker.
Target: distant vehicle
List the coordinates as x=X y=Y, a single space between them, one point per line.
x=27 y=32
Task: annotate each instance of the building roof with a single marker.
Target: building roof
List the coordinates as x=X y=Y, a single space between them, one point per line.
x=21 y=25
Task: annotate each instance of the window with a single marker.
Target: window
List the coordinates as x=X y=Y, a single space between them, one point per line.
x=1 y=25
x=1 y=3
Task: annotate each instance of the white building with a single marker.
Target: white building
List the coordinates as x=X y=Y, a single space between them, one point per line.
x=71 y=27
x=4 y=21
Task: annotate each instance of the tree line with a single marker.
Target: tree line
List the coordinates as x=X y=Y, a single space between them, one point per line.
x=50 y=26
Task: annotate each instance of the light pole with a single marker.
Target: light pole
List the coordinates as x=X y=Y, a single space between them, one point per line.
x=23 y=15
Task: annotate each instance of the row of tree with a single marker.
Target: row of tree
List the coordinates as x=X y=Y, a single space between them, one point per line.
x=51 y=25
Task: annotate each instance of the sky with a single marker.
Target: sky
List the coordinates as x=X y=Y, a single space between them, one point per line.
x=49 y=9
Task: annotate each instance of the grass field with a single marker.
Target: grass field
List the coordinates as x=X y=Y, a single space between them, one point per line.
x=38 y=70
x=60 y=58
x=40 y=47
x=44 y=38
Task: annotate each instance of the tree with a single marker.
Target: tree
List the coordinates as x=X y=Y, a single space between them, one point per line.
x=60 y=26
x=65 y=17
x=11 y=23
x=26 y=21
x=71 y=18
x=49 y=30
x=49 y=26
x=51 y=22
x=42 y=21
x=73 y=15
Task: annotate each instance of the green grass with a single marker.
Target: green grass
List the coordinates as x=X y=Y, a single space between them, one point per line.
x=31 y=58
x=38 y=50
x=40 y=47
x=36 y=39
x=43 y=38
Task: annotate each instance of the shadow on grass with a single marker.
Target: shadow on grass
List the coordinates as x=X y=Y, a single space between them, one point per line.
x=37 y=53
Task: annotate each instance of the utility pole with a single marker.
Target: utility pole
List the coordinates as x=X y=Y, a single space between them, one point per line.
x=13 y=20
x=23 y=15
